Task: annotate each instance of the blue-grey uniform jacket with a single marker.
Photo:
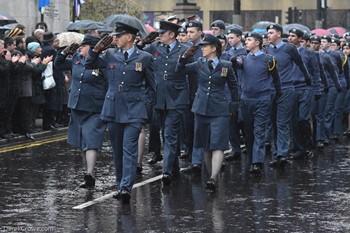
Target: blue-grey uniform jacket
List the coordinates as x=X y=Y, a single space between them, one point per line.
x=88 y=88
x=172 y=88
x=126 y=98
x=210 y=99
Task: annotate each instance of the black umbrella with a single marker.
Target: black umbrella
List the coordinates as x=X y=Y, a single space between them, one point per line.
x=302 y=27
x=6 y=19
x=85 y=25
x=127 y=19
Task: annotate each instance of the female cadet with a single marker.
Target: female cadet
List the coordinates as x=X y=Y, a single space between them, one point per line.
x=210 y=106
x=86 y=129
x=258 y=91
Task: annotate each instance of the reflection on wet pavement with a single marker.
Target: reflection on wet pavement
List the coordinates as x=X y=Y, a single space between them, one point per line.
x=39 y=188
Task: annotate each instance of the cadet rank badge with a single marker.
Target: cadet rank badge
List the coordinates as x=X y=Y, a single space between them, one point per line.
x=95 y=72
x=138 y=66
x=224 y=72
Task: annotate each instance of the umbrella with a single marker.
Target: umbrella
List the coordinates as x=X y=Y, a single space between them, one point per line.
x=319 y=32
x=261 y=25
x=336 y=30
x=150 y=28
x=302 y=27
x=6 y=19
x=127 y=19
x=68 y=38
x=85 y=25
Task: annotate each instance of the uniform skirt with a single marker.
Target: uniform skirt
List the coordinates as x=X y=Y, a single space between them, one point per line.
x=86 y=130
x=211 y=132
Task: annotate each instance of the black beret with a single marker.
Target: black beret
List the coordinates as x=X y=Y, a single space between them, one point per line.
x=211 y=40
x=326 y=37
x=194 y=23
x=275 y=26
x=306 y=36
x=122 y=28
x=90 y=40
x=182 y=30
x=297 y=32
x=221 y=37
x=346 y=44
x=255 y=35
x=346 y=34
x=335 y=40
x=168 y=26
x=264 y=36
x=315 y=37
x=235 y=31
x=218 y=23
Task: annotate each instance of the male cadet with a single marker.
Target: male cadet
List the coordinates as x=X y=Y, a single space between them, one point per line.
x=330 y=86
x=218 y=27
x=128 y=102
x=182 y=37
x=237 y=50
x=194 y=32
x=172 y=96
x=301 y=115
x=332 y=95
x=341 y=97
x=287 y=56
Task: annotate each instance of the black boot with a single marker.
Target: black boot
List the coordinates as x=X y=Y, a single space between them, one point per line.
x=89 y=182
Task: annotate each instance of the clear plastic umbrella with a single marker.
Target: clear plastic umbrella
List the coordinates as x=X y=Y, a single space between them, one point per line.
x=68 y=38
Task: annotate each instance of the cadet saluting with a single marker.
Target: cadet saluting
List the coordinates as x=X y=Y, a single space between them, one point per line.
x=210 y=106
x=86 y=129
x=127 y=106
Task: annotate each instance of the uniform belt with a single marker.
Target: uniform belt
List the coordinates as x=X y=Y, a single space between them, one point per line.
x=168 y=77
x=122 y=88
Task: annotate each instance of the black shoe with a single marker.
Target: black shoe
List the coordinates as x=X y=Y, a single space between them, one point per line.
x=280 y=161
x=156 y=157
x=233 y=157
x=184 y=156
x=125 y=196
x=297 y=155
x=117 y=195
x=139 y=168
x=196 y=169
x=29 y=136
x=256 y=168
x=89 y=182
x=320 y=145
x=166 y=179
x=210 y=185
x=309 y=154
x=326 y=142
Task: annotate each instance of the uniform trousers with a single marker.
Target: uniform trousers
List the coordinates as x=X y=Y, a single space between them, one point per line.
x=124 y=140
x=256 y=115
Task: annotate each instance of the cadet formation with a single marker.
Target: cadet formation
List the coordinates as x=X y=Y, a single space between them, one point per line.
x=205 y=98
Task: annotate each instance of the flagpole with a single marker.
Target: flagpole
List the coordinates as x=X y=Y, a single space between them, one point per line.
x=74 y=13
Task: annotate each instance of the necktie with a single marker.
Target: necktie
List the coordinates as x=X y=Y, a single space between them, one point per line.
x=210 y=64
x=275 y=47
x=126 y=55
x=168 y=49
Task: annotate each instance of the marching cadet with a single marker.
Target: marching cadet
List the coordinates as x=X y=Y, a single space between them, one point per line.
x=128 y=104
x=287 y=57
x=260 y=83
x=330 y=86
x=237 y=50
x=341 y=97
x=332 y=94
x=87 y=93
x=304 y=94
x=194 y=32
x=172 y=96
x=210 y=106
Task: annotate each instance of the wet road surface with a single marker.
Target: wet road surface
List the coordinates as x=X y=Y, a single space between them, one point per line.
x=39 y=191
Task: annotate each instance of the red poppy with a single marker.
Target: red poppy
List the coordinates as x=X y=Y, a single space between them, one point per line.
x=77 y=62
x=155 y=54
x=111 y=66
